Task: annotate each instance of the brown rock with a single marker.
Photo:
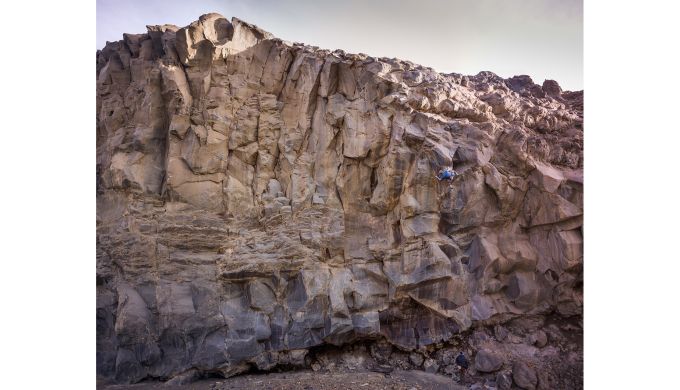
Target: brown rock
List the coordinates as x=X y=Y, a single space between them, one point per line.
x=257 y=198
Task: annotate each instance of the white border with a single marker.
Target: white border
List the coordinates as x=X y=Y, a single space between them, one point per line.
x=632 y=202
x=47 y=195
x=47 y=293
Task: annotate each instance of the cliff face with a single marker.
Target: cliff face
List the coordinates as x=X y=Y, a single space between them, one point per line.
x=257 y=198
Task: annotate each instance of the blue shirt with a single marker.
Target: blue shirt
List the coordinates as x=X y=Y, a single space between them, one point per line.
x=447 y=174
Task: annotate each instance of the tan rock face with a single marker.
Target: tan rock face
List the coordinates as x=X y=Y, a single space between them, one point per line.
x=256 y=198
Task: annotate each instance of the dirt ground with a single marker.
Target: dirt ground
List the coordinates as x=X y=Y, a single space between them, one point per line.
x=310 y=380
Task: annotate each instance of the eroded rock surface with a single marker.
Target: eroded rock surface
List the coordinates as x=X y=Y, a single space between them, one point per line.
x=258 y=198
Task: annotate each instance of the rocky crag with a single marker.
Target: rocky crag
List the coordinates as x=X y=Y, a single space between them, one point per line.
x=264 y=204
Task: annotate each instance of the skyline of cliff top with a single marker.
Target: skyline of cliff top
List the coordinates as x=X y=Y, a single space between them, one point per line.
x=542 y=39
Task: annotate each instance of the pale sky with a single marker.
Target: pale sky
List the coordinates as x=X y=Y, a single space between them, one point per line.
x=541 y=38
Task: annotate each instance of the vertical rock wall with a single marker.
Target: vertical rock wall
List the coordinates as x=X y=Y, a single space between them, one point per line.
x=257 y=198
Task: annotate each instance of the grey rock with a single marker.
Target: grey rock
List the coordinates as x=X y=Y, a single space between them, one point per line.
x=261 y=296
x=431 y=366
x=500 y=332
x=450 y=369
x=316 y=199
x=385 y=369
x=274 y=187
x=416 y=359
x=446 y=356
x=488 y=361
x=184 y=378
x=504 y=380
x=524 y=376
x=539 y=339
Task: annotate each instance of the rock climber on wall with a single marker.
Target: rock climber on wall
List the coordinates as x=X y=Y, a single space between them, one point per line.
x=446 y=174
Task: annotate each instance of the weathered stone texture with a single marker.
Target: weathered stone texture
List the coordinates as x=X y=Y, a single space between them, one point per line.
x=257 y=198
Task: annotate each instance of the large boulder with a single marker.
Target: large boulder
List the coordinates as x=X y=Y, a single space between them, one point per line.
x=488 y=361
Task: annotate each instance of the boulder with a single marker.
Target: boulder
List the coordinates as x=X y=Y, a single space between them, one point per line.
x=431 y=366
x=539 y=338
x=524 y=376
x=488 y=361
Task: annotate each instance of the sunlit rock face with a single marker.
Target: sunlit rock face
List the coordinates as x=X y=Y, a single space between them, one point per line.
x=257 y=198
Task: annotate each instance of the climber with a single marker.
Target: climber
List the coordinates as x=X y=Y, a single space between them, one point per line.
x=462 y=363
x=446 y=174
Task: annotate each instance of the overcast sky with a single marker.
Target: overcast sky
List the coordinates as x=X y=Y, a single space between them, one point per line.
x=541 y=38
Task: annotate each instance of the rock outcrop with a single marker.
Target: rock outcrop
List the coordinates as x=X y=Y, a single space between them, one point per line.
x=257 y=199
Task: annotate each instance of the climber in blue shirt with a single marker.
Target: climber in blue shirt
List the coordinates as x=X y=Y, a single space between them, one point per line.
x=463 y=364
x=446 y=174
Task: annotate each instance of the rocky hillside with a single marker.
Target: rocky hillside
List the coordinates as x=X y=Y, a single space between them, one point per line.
x=264 y=204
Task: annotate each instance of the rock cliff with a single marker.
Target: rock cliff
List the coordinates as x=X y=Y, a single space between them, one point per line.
x=258 y=200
